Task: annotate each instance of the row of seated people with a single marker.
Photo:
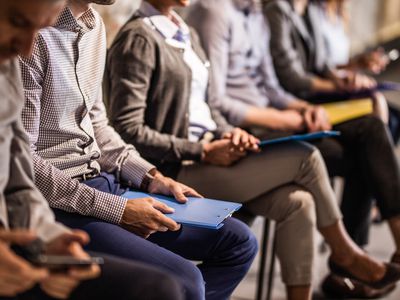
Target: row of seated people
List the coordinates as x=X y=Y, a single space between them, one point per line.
x=177 y=109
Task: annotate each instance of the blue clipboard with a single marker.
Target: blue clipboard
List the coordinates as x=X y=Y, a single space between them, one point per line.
x=198 y=212
x=300 y=137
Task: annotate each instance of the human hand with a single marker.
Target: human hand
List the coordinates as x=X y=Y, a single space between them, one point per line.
x=61 y=285
x=375 y=61
x=16 y=274
x=242 y=139
x=145 y=216
x=292 y=120
x=167 y=186
x=316 y=119
x=222 y=153
x=353 y=81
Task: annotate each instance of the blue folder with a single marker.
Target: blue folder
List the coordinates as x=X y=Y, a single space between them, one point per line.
x=300 y=137
x=198 y=212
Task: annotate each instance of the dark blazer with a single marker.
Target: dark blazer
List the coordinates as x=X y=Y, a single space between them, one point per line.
x=148 y=95
x=297 y=46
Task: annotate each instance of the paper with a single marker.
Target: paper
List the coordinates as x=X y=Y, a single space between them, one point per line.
x=339 y=112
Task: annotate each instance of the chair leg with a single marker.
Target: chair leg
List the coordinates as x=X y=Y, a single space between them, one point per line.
x=271 y=270
x=263 y=260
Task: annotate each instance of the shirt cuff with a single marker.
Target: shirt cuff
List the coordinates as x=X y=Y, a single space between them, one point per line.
x=236 y=112
x=108 y=207
x=134 y=169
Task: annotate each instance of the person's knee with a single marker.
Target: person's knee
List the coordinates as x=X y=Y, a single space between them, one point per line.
x=192 y=281
x=165 y=287
x=301 y=208
x=241 y=238
x=372 y=126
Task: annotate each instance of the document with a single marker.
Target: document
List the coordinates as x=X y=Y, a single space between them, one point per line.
x=198 y=212
x=339 y=112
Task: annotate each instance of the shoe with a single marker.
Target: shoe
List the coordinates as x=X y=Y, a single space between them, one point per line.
x=343 y=288
x=392 y=275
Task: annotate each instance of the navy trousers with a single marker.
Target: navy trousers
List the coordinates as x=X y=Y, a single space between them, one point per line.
x=120 y=279
x=225 y=255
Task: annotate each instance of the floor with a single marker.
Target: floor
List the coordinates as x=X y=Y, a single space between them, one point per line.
x=381 y=247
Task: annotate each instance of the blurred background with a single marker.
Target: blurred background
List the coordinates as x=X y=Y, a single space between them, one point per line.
x=371 y=23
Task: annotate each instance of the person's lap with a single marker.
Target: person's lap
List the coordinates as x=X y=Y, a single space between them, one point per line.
x=120 y=279
x=252 y=176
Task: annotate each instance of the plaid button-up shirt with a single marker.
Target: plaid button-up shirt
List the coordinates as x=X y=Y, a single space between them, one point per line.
x=66 y=120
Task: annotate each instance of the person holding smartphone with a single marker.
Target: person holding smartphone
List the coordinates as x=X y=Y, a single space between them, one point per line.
x=27 y=224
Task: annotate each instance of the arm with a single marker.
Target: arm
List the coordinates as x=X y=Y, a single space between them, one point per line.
x=131 y=67
x=288 y=64
x=59 y=189
x=213 y=29
x=278 y=96
x=21 y=187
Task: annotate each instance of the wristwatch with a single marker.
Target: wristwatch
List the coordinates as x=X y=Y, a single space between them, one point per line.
x=147 y=179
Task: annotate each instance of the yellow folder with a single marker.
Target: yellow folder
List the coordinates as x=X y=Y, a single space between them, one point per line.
x=339 y=112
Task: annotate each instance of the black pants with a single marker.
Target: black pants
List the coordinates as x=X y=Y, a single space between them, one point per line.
x=364 y=156
x=120 y=279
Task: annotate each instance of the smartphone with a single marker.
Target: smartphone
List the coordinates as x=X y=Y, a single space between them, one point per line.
x=60 y=263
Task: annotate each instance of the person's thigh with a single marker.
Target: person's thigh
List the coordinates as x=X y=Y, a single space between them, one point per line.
x=252 y=176
x=123 y=280
x=112 y=239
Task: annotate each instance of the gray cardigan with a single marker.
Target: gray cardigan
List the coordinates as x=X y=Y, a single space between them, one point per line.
x=149 y=86
x=297 y=46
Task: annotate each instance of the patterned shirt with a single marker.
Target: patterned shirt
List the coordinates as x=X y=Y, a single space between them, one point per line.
x=66 y=120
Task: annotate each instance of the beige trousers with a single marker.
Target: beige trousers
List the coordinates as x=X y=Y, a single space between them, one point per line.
x=287 y=183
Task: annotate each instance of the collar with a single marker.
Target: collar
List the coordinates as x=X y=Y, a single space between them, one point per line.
x=247 y=5
x=66 y=20
x=163 y=24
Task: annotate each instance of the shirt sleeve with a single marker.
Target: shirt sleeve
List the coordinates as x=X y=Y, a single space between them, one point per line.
x=214 y=31
x=21 y=187
x=61 y=191
x=117 y=157
x=278 y=96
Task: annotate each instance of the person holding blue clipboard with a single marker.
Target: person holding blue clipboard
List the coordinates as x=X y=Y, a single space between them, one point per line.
x=158 y=80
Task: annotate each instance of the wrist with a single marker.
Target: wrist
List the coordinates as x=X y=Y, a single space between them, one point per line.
x=205 y=151
x=148 y=178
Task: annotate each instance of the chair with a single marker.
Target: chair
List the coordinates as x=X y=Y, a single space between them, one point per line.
x=262 y=293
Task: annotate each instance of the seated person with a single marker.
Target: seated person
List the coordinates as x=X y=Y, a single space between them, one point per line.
x=333 y=21
x=245 y=87
x=299 y=52
x=334 y=25
x=82 y=166
x=158 y=78
x=25 y=215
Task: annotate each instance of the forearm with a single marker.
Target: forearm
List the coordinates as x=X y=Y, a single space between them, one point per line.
x=323 y=85
x=298 y=105
x=270 y=118
x=70 y=195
